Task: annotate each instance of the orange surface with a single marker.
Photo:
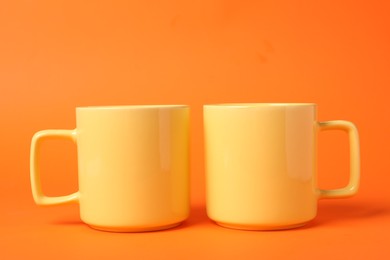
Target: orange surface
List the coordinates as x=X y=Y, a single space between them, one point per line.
x=56 y=55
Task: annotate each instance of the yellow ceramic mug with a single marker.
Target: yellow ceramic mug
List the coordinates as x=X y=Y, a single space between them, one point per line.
x=261 y=164
x=133 y=164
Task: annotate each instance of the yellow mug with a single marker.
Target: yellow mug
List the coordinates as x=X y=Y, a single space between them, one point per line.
x=261 y=164
x=133 y=166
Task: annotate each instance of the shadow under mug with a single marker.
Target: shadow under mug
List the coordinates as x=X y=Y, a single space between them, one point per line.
x=133 y=166
x=261 y=164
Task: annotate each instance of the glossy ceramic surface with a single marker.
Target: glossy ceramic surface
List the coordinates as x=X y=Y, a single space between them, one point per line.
x=261 y=164
x=133 y=164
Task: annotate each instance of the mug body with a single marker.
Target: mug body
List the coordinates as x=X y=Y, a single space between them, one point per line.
x=133 y=164
x=261 y=164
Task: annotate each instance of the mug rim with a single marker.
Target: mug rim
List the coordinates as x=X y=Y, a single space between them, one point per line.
x=257 y=105
x=132 y=107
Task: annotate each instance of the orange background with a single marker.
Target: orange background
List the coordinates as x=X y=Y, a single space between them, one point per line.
x=56 y=55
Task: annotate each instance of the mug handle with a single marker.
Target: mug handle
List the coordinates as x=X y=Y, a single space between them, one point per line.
x=354 y=177
x=38 y=195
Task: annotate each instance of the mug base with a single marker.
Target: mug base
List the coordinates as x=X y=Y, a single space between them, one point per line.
x=134 y=229
x=259 y=227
